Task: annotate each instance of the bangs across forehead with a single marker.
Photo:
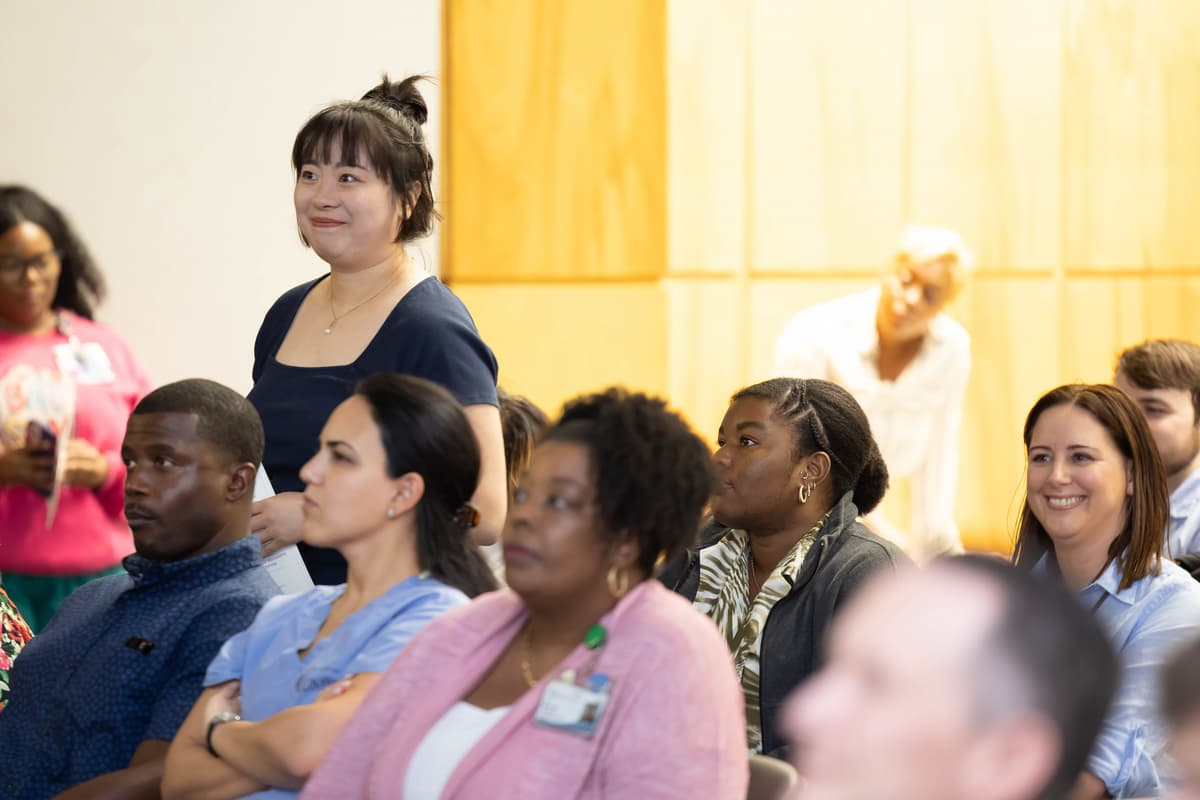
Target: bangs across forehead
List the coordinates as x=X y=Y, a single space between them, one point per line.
x=350 y=133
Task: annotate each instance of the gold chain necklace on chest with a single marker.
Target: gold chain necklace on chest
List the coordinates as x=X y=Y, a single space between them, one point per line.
x=526 y=668
x=336 y=317
x=593 y=640
x=754 y=571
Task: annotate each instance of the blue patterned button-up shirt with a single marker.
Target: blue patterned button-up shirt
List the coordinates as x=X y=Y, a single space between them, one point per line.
x=121 y=662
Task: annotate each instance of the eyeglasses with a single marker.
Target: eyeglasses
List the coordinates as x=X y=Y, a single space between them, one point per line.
x=11 y=267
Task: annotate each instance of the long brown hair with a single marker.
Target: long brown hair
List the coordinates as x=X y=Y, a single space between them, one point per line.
x=1138 y=547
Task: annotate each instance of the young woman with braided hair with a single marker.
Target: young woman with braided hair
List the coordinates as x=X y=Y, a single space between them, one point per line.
x=796 y=465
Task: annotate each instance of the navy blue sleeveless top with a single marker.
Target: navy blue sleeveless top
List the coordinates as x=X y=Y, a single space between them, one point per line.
x=429 y=334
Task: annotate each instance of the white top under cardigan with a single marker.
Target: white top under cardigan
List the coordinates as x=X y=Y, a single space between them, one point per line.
x=444 y=746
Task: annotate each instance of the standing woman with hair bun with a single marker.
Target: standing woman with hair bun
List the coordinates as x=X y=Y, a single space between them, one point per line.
x=364 y=190
x=796 y=465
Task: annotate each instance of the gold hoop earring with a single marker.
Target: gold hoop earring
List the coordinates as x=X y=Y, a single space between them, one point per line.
x=618 y=582
x=806 y=490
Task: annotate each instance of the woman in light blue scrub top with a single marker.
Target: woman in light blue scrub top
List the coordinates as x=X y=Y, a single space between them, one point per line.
x=388 y=488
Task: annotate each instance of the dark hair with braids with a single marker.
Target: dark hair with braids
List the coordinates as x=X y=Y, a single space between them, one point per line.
x=424 y=430
x=384 y=127
x=652 y=473
x=80 y=285
x=826 y=418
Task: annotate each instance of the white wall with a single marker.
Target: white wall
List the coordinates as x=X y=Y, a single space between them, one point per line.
x=164 y=129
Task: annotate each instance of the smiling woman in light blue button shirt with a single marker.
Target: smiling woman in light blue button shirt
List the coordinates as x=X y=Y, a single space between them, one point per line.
x=1095 y=508
x=388 y=489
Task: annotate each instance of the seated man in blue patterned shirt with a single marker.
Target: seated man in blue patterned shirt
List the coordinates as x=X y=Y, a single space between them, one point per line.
x=99 y=694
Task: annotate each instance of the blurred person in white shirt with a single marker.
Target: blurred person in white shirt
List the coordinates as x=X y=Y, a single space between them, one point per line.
x=907 y=363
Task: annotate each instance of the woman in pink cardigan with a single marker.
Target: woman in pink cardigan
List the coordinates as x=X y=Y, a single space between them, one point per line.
x=583 y=679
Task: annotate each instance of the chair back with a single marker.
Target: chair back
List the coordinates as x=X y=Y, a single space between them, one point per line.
x=770 y=778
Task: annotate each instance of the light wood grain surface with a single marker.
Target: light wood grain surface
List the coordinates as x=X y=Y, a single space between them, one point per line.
x=643 y=191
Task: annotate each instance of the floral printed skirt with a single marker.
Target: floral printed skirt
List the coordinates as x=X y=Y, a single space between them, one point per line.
x=14 y=633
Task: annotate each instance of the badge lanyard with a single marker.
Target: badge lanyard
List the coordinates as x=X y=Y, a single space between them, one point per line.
x=62 y=323
x=83 y=362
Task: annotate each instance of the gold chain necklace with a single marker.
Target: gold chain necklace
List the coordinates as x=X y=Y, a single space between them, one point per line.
x=526 y=669
x=337 y=317
x=753 y=569
x=593 y=640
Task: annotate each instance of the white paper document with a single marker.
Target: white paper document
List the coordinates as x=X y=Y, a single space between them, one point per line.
x=286 y=567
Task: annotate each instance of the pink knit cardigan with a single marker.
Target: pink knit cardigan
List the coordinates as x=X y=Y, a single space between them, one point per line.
x=674 y=727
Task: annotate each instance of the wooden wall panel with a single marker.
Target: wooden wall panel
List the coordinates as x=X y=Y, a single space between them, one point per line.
x=1015 y=341
x=1131 y=116
x=555 y=139
x=983 y=126
x=828 y=91
x=706 y=153
x=707 y=331
x=708 y=167
x=556 y=341
x=1103 y=315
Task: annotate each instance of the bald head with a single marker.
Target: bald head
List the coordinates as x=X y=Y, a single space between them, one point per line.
x=927 y=695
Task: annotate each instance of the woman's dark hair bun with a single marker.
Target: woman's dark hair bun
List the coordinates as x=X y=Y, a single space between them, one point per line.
x=872 y=482
x=403 y=96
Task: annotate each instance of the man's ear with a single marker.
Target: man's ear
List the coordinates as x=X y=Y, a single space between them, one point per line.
x=241 y=481
x=1016 y=757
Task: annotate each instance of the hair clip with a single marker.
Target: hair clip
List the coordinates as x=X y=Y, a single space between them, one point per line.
x=467 y=516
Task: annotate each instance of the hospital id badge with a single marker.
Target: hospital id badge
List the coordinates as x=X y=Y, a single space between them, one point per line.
x=575 y=709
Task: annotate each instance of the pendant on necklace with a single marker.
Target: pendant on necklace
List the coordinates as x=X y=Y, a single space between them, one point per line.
x=329 y=330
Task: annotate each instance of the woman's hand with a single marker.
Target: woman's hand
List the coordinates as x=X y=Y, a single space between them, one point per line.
x=86 y=466
x=227 y=697
x=277 y=521
x=32 y=468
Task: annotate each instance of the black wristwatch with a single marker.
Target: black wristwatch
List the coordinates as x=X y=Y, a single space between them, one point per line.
x=217 y=720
